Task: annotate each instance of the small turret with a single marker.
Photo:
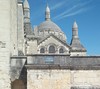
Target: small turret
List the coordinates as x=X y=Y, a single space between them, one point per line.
x=26 y=12
x=27 y=23
x=47 y=13
x=75 y=30
x=77 y=49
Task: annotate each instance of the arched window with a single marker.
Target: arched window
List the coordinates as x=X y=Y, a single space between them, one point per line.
x=51 y=49
x=42 y=50
x=61 y=50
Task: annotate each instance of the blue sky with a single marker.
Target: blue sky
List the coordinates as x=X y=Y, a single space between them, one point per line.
x=65 y=12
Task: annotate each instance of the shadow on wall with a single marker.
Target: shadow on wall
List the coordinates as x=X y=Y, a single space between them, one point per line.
x=17 y=84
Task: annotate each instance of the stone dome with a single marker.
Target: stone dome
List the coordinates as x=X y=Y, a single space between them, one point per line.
x=48 y=25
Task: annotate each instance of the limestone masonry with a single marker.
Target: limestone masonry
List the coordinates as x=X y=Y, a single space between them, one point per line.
x=40 y=57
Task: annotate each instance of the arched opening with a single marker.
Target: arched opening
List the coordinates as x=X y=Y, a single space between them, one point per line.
x=17 y=84
x=61 y=50
x=51 y=49
x=42 y=50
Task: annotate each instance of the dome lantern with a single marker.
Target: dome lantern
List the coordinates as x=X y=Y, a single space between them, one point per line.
x=47 y=13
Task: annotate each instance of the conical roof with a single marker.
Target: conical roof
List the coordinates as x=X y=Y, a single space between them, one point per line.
x=75 y=25
x=47 y=9
x=76 y=45
x=26 y=4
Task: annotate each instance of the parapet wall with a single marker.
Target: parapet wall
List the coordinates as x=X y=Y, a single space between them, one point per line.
x=63 y=72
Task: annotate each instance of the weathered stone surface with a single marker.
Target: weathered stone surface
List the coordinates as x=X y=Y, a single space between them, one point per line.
x=64 y=62
x=13 y=27
x=8 y=28
x=20 y=32
x=48 y=79
x=17 y=65
x=4 y=38
x=63 y=79
x=83 y=78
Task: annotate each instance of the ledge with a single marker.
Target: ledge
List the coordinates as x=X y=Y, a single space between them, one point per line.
x=17 y=57
x=48 y=55
x=49 y=66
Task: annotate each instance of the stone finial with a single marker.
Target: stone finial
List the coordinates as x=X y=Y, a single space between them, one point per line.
x=75 y=25
x=26 y=4
x=47 y=13
x=47 y=9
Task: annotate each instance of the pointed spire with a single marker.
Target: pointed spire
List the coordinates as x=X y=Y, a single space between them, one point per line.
x=47 y=13
x=75 y=42
x=75 y=30
x=26 y=4
x=75 y=25
x=26 y=12
x=47 y=8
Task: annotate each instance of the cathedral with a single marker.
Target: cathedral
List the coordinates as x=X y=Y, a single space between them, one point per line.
x=41 y=57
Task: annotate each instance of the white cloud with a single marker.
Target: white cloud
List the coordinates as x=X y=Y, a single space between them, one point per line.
x=59 y=4
x=74 y=13
x=65 y=12
x=76 y=8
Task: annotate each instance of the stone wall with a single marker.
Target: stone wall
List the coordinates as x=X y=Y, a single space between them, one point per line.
x=8 y=25
x=86 y=78
x=48 y=79
x=32 y=47
x=63 y=79
x=4 y=44
x=78 y=53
